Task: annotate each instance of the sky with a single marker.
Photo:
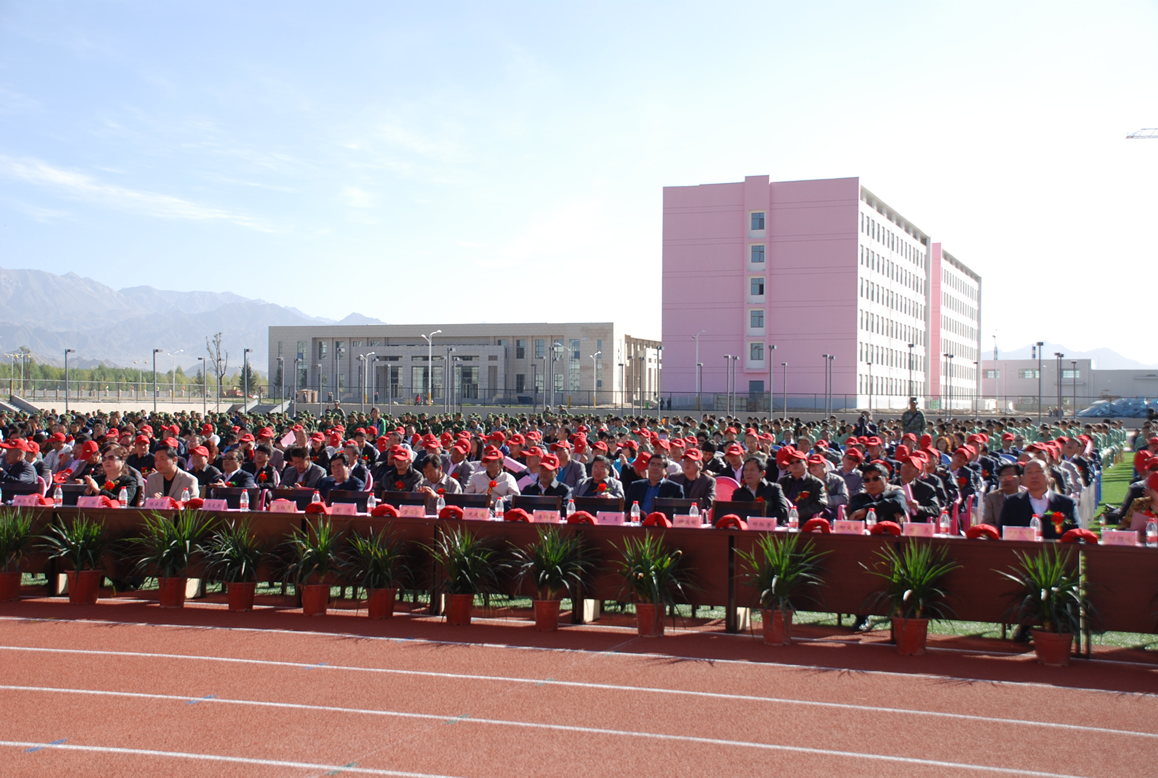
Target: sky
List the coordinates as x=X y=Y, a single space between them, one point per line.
x=505 y=161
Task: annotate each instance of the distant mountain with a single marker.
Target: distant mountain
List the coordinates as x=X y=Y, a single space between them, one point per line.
x=49 y=313
x=1103 y=358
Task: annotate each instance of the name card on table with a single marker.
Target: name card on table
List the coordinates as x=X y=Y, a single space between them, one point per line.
x=151 y=504
x=476 y=514
x=1120 y=537
x=215 y=505
x=283 y=506
x=609 y=517
x=919 y=529
x=26 y=501
x=545 y=517
x=412 y=511
x=94 y=501
x=845 y=527
x=684 y=520
x=1019 y=533
x=344 y=509
x=765 y=523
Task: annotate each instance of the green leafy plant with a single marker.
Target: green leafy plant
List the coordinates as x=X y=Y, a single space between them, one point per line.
x=913 y=580
x=374 y=561
x=81 y=542
x=167 y=546
x=315 y=553
x=1050 y=591
x=233 y=553
x=15 y=537
x=555 y=562
x=471 y=566
x=651 y=572
x=780 y=568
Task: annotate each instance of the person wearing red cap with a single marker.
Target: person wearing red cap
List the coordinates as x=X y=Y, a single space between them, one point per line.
x=16 y=470
x=56 y=448
x=802 y=488
x=571 y=472
x=114 y=478
x=492 y=480
x=401 y=477
x=318 y=453
x=602 y=482
x=834 y=485
x=1057 y=512
x=732 y=464
x=644 y=491
x=301 y=473
x=205 y=473
x=697 y=484
x=548 y=484
x=461 y=468
x=167 y=479
x=87 y=460
x=924 y=505
x=140 y=459
x=755 y=487
x=964 y=478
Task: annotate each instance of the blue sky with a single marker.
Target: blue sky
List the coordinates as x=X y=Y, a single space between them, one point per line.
x=505 y=161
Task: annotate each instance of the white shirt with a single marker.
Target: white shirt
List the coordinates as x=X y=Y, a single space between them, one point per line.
x=1040 y=506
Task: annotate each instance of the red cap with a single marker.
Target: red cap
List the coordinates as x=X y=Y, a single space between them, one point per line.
x=246 y=438
x=265 y=432
x=492 y=454
x=400 y=451
x=56 y=437
x=88 y=448
x=318 y=437
x=1152 y=482
x=141 y=439
x=206 y=429
x=734 y=448
x=855 y=453
x=497 y=436
x=873 y=441
x=551 y=462
x=200 y=451
x=693 y=453
x=534 y=451
x=560 y=445
x=816 y=459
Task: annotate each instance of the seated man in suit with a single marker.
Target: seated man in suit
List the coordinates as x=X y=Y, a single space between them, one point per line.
x=340 y=478
x=233 y=475
x=756 y=488
x=644 y=491
x=1008 y=484
x=888 y=501
x=167 y=480
x=302 y=473
x=602 y=482
x=697 y=484
x=924 y=504
x=16 y=470
x=804 y=490
x=1057 y=512
x=548 y=485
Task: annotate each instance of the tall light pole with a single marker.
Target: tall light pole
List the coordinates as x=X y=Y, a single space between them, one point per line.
x=1074 y=375
x=1059 y=356
x=976 y=387
x=784 y=374
x=204 y=390
x=155 y=352
x=430 y=366
x=535 y=383
x=870 y=391
x=1037 y=349
x=245 y=379
x=318 y=373
x=173 y=393
x=831 y=384
x=699 y=387
x=771 y=383
x=67 y=351
x=825 y=357
x=370 y=368
x=281 y=372
x=949 y=382
x=727 y=388
x=735 y=391
x=297 y=375
x=362 y=359
x=595 y=378
x=912 y=390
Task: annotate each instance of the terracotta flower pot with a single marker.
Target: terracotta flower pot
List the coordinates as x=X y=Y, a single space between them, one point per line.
x=649 y=619
x=84 y=586
x=381 y=603
x=461 y=608
x=241 y=595
x=10 y=586
x=172 y=592
x=315 y=599
x=546 y=615
x=1052 y=649
x=910 y=635
x=777 y=627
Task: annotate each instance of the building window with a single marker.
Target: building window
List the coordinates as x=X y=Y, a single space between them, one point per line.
x=756 y=320
x=323 y=349
x=540 y=348
x=756 y=287
x=756 y=352
x=301 y=349
x=575 y=349
x=1027 y=373
x=520 y=349
x=1070 y=374
x=356 y=344
x=758 y=254
x=757 y=220
x=520 y=382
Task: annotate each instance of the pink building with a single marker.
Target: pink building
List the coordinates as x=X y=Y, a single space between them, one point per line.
x=788 y=272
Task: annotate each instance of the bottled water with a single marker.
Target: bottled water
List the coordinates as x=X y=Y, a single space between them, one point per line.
x=570 y=506
x=943 y=523
x=635 y=514
x=123 y=497
x=317 y=497
x=871 y=517
x=1035 y=525
x=793 y=519
x=244 y=502
x=500 y=511
x=371 y=502
x=184 y=495
x=1152 y=533
x=58 y=497
x=439 y=504
x=694 y=510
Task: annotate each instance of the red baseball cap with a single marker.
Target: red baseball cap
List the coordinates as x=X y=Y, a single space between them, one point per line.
x=693 y=453
x=200 y=451
x=550 y=461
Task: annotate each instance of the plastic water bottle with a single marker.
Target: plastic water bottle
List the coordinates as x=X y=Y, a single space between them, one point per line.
x=570 y=506
x=317 y=497
x=123 y=497
x=244 y=501
x=184 y=495
x=870 y=519
x=1152 y=534
x=58 y=497
x=694 y=511
x=943 y=523
x=1035 y=525
x=793 y=519
x=635 y=521
x=439 y=504
x=500 y=511
x=371 y=502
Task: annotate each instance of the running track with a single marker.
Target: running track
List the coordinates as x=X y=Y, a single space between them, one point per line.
x=126 y=689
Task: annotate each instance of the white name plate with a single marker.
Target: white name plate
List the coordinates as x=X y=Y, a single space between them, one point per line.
x=344 y=509
x=765 y=523
x=545 y=517
x=26 y=501
x=476 y=514
x=1019 y=533
x=684 y=520
x=412 y=511
x=215 y=505
x=609 y=517
x=283 y=506
x=1120 y=537
x=919 y=529
x=845 y=527
x=151 y=504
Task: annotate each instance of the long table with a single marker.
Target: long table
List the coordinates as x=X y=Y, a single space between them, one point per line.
x=1122 y=580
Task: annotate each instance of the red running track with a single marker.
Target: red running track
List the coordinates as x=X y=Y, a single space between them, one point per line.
x=128 y=689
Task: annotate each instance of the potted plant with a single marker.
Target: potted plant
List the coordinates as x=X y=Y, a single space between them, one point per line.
x=471 y=567
x=15 y=535
x=166 y=549
x=653 y=577
x=913 y=591
x=314 y=561
x=1051 y=601
x=374 y=562
x=232 y=555
x=555 y=562
x=780 y=568
x=82 y=543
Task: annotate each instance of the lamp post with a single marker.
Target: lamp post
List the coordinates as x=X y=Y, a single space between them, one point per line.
x=362 y=382
x=155 y=352
x=448 y=381
x=784 y=378
x=771 y=383
x=622 y=378
x=1074 y=376
x=430 y=366
x=912 y=391
x=1037 y=349
x=870 y=391
x=297 y=375
x=825 y=358
x=595 y=379
x=1059 y=356
x=369 y=368
x=699 y=388
x=831 y=384
x=727 y=385
x=735 y=391
x=976 y=387
x=245 y=379
x=949 y=381
x=204 y=391
x=173 y=393
x=67 y=351
x=318 y=373
x=535 y=383
x=281 y=372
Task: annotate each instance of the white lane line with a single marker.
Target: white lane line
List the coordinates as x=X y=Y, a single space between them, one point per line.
x=216 y=758
x=590 y=685
x=605 y=653
x=467 y=719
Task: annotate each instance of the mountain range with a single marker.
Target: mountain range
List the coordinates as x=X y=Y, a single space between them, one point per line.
x=1103 y=358
x=49 y=313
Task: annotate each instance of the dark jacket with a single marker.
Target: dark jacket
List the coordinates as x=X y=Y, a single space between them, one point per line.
x=239 y=479
x=775 y=503
x=808 y=493
x=24 y=473
x=351 y=484
x=925 y=496
x=638 y=491
x=889 y=505
x=307 y=480
x=556 y=489
x=703 y=489
x=1018 y=511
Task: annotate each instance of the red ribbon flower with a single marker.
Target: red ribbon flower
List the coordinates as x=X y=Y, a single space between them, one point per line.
x=399 y=485
x=262 y=477
x=1058 y=520
x=492 y=484
x=601 y=488
x=802 y=496
x=962 y=481
x=109 y=486
x=759 y=499
x=441 y=491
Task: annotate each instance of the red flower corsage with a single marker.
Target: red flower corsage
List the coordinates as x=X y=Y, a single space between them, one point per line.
x=962 y=481
x=802 y=496
x=399 y=485
x=601 y=488
x=759 y=499
x=109 y=486
x=441 y=491
x=492 y=484
x=1058 y=520
x=263 y=477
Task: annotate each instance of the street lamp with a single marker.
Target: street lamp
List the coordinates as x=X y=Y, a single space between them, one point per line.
x=949 y=381
x=204 y=391
x=912 y=391
x=1059 y=356
x=318 y=373
x=430 y=366
x=735 y=392
x=245 y=379
x=870 y=391
x=831 y=384
x=1037 y=349
x=771 y=383
x=155 y=352
x=173 y=393
x=67 y=351
x=281 y=372
x=595 y=379
x=784 y=374
x=976 y=387
x=699 y=387
x=825 y=357
x=448 y=381
x=369 y=368
x=727 y=386
x=1074 y=375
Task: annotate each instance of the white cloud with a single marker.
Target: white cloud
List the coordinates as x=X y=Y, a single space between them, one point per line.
x=358 y=198
x=84 y=187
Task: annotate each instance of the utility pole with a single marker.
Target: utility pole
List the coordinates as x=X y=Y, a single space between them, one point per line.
x=1037 y=350
x=67 y=351
x=155 y=351
x=1059 y=356
x=771 y=384
x=699 y=387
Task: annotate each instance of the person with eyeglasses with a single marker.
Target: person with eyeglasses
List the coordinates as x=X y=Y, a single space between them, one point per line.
x=232 y=474
x=879 y=494
x=116 y=476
